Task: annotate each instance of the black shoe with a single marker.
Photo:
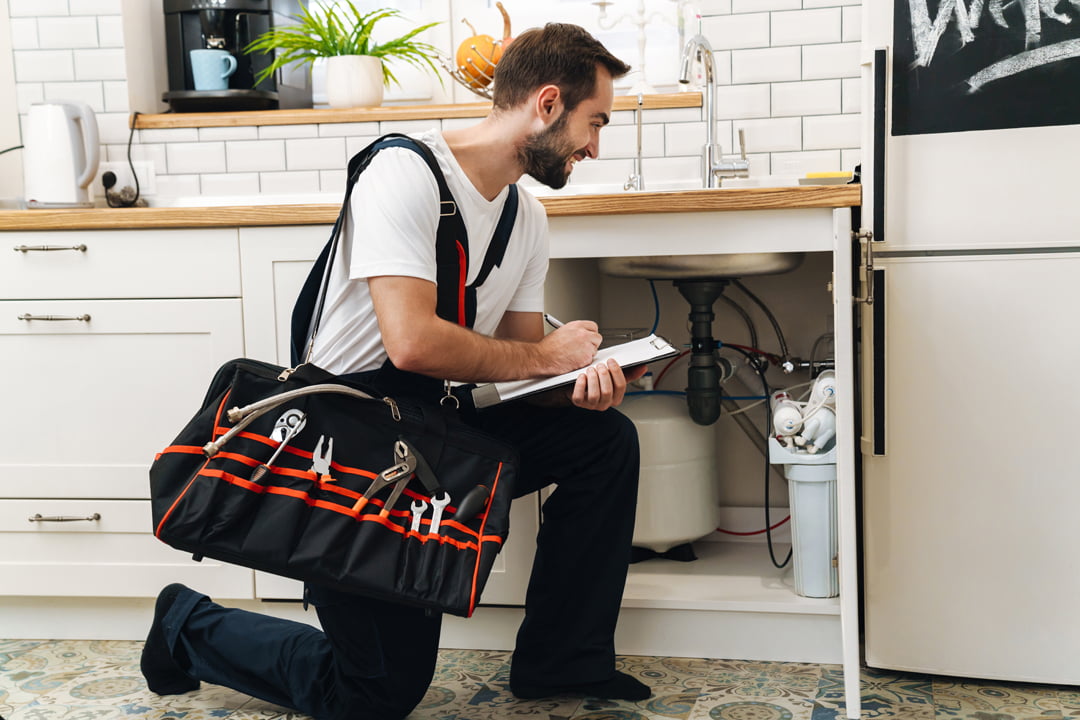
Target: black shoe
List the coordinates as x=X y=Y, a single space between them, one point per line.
x=619 y=687
x=163 y=675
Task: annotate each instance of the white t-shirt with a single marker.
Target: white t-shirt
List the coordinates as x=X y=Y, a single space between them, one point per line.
x=390 y=230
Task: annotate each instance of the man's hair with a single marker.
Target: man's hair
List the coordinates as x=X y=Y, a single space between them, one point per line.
x=557 y=54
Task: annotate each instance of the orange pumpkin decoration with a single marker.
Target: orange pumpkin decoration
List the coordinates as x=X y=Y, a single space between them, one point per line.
x=507 y=39
x=477 y=57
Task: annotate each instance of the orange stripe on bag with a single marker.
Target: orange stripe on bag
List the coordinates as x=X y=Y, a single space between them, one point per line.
x=476 y=567
x=344 y=510
x=217 y=419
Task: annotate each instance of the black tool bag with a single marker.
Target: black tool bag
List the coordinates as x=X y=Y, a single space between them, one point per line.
x=322 y=478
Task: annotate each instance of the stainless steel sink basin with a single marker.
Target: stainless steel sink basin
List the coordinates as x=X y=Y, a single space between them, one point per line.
x=700 y=267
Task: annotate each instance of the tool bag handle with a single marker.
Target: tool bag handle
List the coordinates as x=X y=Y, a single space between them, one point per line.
x=456 y=301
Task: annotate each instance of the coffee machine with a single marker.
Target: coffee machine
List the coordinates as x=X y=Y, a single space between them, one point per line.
x=230 y=25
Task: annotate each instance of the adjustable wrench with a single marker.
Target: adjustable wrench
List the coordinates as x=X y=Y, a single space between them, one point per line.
x=397 y=475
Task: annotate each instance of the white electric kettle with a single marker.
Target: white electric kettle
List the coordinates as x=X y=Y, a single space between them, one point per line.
x=60 y=154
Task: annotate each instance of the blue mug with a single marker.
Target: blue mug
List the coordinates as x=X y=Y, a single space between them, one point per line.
x=211 y=69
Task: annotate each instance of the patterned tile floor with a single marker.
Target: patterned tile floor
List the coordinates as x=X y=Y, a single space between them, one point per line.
x=100 y=680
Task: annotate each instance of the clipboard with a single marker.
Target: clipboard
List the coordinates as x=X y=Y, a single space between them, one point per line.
x=629 y=354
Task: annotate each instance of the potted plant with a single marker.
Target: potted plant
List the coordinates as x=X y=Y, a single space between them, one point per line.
x=355 y=71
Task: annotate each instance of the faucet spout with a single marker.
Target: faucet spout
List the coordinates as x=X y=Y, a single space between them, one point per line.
x=713 y=164
x=698 y=48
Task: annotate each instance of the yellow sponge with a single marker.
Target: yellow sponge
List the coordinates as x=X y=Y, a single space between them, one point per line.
x=828 y=175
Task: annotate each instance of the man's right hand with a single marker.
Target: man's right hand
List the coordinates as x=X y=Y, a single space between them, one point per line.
x=571 y=346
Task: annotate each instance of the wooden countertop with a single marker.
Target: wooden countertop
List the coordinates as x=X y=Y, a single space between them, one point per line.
x=806 y=196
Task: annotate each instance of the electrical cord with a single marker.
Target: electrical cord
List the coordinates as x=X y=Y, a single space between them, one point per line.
x=116 y=200
x=768 y=423
x=7 y=150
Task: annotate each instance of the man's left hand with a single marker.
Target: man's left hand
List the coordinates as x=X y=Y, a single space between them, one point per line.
x=603 y=385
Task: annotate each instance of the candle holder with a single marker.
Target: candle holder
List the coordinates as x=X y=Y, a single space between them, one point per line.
x=641 y=20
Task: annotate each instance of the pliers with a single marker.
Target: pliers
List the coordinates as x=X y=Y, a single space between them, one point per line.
x=397 y=475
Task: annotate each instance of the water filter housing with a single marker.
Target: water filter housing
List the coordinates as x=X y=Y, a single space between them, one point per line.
x=812 y=499
x=679 y=491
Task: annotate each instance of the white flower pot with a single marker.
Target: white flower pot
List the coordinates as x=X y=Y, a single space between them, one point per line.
x=354 y=81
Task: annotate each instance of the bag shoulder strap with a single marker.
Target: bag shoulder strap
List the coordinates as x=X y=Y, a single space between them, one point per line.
x=456 y=301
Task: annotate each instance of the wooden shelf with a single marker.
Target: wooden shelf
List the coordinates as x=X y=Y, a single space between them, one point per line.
x=309 y=116
x=726 y=576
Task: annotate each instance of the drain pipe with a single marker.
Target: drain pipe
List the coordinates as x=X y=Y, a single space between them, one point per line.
x=703 y=375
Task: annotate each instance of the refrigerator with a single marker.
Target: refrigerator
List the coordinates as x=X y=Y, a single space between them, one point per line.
x=969 y=335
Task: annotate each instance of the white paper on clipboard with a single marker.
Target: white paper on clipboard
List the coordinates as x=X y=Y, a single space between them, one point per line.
x=629 y=354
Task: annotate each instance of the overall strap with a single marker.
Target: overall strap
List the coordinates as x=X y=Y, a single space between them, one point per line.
x=456 y=302
x=496 y=251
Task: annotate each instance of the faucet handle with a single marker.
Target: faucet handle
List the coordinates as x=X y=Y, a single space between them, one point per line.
x=742 y=143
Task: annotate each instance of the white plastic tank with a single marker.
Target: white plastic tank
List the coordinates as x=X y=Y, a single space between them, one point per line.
x=679 y=492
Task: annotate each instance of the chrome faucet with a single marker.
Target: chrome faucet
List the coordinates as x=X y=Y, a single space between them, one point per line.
x=714 y=164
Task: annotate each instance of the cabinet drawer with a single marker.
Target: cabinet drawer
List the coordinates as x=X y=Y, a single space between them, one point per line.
x=108 y=551
x=121 y=264
x=88 y=404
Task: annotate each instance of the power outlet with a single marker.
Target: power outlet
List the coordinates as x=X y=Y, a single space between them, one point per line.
x=124 y=178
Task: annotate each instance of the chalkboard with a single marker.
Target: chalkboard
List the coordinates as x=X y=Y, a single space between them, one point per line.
x=985 y=64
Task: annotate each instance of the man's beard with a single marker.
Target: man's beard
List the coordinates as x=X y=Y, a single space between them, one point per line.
x=544 y=154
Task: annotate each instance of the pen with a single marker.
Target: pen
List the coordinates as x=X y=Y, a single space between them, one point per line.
x=552 y=321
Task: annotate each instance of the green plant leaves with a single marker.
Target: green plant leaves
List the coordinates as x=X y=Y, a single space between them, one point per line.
x=340 y=31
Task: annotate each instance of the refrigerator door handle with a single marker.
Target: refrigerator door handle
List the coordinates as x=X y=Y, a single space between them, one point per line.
x=876 y=291
x=881 y=94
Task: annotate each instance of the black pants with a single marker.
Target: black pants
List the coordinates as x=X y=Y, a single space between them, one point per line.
x=374 y=660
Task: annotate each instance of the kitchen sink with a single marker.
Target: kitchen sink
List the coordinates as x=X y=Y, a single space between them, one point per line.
x=700 y=267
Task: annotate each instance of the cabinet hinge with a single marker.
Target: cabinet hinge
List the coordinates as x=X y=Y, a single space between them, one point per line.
x=862 y=234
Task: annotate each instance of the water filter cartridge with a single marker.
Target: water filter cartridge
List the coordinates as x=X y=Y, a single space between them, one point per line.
x=824 y=390
x=787 y=416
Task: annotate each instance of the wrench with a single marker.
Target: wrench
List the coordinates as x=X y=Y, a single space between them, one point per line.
x=286 y=428
x=418 y=507
x=437 y=505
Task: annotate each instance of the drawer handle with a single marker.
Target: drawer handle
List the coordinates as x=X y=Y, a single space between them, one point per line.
x=48 y=248
x=55 y=318
x=38 y=517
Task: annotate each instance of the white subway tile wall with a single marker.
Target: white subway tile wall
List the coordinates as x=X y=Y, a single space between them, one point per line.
x=73 y=50
x=786 y=72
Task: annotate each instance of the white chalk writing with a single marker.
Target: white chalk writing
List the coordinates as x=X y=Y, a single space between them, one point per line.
x=926 y=33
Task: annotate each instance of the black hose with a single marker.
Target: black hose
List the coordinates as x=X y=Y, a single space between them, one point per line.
x=768 y=314
x=768 y=424
x=746 y=318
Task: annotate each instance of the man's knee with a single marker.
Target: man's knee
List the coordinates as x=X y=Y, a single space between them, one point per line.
x=619 y=431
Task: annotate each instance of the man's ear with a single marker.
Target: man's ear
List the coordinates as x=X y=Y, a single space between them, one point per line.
x=549 y=103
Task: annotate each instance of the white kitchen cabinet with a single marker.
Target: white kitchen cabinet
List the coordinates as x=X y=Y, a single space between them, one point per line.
x=98 y=548
x=90 y=402
x=109 y=347
x=275 y=261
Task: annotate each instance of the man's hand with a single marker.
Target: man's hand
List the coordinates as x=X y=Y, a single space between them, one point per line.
x=603 y=386
x=571 y=346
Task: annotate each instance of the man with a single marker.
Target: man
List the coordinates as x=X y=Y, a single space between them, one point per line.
x=553 y=94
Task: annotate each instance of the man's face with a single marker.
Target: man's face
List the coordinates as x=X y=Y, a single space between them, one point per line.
x=549 y=155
